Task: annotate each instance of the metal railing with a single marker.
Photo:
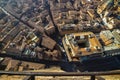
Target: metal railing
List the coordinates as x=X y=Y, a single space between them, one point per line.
x=33 y=74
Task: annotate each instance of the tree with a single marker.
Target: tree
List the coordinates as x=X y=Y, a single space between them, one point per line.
x=1 y=45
